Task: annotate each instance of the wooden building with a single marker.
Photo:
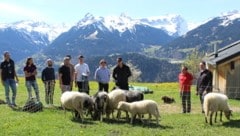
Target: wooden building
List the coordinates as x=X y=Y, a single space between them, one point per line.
x=225 y=65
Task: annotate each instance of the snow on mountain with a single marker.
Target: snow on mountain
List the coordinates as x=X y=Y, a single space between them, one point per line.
x=228 y=17
x=33 y=27
x=172 y=24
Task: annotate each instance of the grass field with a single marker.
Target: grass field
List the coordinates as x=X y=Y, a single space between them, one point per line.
x=53 y=122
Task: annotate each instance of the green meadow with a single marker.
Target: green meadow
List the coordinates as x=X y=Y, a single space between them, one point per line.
x=54 y=122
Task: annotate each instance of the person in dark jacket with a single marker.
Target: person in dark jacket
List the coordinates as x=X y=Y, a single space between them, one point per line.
x=48 y=78
x=204 y=82
x=121 y=73
x=8 y=73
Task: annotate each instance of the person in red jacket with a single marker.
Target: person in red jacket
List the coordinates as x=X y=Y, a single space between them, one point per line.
x=185 y=82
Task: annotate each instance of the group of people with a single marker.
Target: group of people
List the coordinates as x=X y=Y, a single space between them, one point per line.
x=203 y=85
x=68 y=75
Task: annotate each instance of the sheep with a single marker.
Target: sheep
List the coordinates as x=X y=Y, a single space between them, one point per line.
x=214 y=102
x=132 y=96
x=77 y=101
x=115 y=97
x=100 y=100
x=167 y=99
x=140 y=107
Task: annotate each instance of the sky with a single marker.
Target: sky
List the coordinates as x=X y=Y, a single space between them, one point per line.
x=71 y=11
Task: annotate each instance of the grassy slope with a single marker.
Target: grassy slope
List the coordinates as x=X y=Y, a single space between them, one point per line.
x=54 y=122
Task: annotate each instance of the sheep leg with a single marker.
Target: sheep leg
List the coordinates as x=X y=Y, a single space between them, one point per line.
x=220 y=116
x=156 y=116
x=132 y=117
x=216 y=117
x=149 y=117
x=211 y=114
x=101 y=119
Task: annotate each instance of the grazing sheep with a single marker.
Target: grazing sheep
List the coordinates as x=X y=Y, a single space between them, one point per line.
x=167 y=99
x=77 y=101
x=115 y=97
x=214 y=102
x=100 y=100
x=140 y=107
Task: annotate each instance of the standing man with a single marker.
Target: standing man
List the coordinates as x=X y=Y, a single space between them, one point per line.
x=121 y=73
x=185 y=82
x=64 y=75
x=48 y=78
x=72 y=71
x=8 y=73
x=102 y=75
x=81 y=75
x=204 y=82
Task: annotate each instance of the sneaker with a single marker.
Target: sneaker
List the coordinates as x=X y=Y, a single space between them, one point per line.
x=14 y=105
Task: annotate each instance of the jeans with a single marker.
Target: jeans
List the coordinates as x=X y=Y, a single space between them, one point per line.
x=10 y=83
x=49 y=91
x=29 y=85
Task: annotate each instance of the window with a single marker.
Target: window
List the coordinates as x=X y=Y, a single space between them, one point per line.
x=232 y=65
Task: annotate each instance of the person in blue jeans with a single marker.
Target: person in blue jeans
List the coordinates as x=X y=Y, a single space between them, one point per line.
x=30 y=71
x=8 y=73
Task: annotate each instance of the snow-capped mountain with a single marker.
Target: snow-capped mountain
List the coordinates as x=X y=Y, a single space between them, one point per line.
x=172 y=24
x=37 y=31
x=222 y=31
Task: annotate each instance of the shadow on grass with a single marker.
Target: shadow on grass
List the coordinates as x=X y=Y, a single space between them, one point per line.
x=87 y=121
x=232 y=123
x=138 y=122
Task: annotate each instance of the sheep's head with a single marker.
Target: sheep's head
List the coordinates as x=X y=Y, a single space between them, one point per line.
x=227 y=114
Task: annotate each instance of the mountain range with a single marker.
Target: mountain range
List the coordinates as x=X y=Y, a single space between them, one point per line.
x=165 y=37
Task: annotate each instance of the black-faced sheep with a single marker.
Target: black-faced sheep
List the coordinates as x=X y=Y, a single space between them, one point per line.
x=167 y=99
x=115 y=96
x=140 y=107
x=100 y=100
x=77 y=101
x=214 y=102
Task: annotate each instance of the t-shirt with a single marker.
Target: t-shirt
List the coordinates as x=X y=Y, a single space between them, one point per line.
x=81 y=70
x=8 y=69
x=66 y=77
x=185 y=81
x=30 y=69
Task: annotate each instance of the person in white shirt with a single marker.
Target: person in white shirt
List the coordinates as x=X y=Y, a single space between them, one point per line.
x=81 y=75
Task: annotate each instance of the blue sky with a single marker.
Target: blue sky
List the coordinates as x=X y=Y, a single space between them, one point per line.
x=71 y=11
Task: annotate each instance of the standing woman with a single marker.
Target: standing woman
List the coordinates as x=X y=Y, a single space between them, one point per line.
x=102 y=75
x=30 y=71
x=48 y=78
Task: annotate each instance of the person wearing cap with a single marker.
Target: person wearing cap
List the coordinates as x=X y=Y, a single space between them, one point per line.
x=64 y=75
x=48 y=78
x=30 y=72
x=72 y=71
x=81 y=75
x=8 y=73
x=102 y=75
x=121 y=73
x=204 y=82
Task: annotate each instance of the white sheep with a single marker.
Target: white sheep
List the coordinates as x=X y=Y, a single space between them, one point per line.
x=115 y=97
x=214 y=102
x=140 y=107
x=76 y=101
